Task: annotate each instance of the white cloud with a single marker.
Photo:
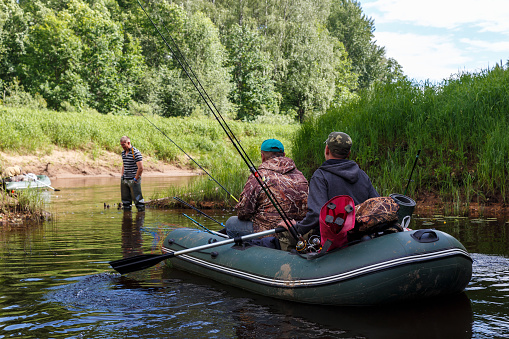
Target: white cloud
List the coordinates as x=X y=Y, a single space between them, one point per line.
x=423 y=56
x=491 y=15
x=494 y=46
x=435 y=39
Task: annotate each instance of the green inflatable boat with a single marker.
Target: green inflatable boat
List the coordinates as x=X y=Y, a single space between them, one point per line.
x=396 y=267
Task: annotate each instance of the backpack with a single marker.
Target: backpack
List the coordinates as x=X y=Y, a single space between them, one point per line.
x=337 y=217
x=375 y=211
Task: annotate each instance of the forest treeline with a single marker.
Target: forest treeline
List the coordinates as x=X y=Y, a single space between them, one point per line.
x=274 y=59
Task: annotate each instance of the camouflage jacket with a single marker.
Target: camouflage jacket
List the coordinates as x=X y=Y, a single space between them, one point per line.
x=288 y=185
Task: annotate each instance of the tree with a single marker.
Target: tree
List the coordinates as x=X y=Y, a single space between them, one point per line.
x=347 y=23
x=13 y=28
x=314 y=62
x=80 y=56
x=169 y=19
x=51 y=63
x=111 y=63
x=251 y=69
x=208 y=58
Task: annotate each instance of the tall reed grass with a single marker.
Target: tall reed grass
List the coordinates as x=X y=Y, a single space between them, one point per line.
x=460 y=125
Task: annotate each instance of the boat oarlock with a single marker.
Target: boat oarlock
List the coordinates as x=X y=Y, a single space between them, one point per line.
x=141 y=262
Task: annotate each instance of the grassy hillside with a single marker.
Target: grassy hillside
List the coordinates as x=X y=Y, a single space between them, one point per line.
x=461 y=126
x=28 y=131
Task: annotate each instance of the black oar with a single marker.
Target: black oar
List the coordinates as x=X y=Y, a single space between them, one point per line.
x=140 y=262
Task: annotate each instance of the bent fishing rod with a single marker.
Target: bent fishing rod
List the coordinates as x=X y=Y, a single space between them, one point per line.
x=222 y=122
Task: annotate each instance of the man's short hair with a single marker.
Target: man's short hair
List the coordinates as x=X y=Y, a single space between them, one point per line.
x=124 y=139
x=270 y=155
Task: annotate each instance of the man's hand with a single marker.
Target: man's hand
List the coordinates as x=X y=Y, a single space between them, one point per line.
x=283 y=224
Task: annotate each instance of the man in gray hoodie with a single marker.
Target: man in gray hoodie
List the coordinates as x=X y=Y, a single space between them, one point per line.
x=336 y=176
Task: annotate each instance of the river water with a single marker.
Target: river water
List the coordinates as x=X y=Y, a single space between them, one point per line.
x=56 y=282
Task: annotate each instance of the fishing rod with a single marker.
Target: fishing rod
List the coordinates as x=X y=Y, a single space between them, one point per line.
x=197 y=210
x=205 y=228
x=201 y=91
x=412 y=172
x=224 y=126
x=180 y=148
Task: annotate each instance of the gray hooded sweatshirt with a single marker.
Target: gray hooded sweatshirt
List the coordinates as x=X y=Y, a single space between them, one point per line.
x=335 y=177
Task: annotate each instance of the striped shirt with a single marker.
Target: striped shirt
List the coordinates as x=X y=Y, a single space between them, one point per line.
x=130 y=159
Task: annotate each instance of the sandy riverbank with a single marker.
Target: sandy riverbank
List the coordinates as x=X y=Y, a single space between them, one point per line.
x=62 y=164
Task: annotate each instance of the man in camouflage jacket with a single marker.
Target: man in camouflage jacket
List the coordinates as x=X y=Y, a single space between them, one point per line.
x=285 y=181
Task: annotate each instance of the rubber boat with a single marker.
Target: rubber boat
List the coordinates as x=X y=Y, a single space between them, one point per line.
x=397 y=267
x=21 y=182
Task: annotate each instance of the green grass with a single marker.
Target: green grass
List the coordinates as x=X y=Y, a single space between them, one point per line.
x=28 y=203
x=28 y=131
x=460 y=125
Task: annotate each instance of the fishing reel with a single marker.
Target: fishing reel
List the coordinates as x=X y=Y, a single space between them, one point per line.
x=311 y=245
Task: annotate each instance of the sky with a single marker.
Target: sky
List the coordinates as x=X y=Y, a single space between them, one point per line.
x=436 y=39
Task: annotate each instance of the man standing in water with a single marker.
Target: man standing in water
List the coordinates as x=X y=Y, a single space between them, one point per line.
x=130 y=184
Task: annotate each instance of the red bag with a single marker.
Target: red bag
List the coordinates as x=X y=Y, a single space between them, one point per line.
x=337 y=217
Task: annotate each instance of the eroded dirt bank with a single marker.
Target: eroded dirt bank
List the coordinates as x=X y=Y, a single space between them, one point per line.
x=68 y=164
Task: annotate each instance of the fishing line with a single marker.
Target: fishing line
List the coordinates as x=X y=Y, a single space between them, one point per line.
x=412 y=172
x=180 y=148
x=224 y=126
x=188 y=67
x=203 y=93
x=197 y=210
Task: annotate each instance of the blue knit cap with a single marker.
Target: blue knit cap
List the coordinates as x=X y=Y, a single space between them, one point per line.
x=272 y=145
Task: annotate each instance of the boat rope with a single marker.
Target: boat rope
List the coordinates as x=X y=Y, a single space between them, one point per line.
x=175 y=51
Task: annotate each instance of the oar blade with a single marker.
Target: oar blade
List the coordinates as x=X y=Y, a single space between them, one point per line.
x=138 y=263
x=134 y=259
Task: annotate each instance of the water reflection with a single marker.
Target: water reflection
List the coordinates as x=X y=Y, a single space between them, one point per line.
x=259 y=317
x=184 y=306
x=131 y=233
